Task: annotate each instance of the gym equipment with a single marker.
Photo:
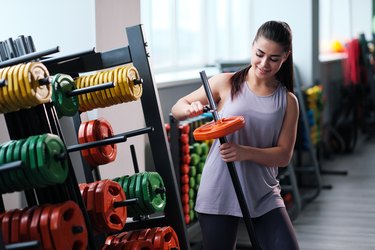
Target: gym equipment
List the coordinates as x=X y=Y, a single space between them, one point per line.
x=49 y=226
x=40 y=166
x=231 y=167
x=96 y=130
x=219 y=128
x=127 y=88
x=100 y=198
x=162 y=238
x=148 y=188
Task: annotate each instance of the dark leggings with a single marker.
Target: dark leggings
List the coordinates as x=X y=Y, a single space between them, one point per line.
x=274 y=231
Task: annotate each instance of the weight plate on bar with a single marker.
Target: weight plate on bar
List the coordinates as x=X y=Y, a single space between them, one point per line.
x=28 y=158
x=90 y=207
x=7 y=186
x=34 y=225
x=96 y=94
x=90 y=99
x=109 y=77
x=43 y=92
x=3 y=106
x=65 y=105
x=34 y=162
x=25 y=222
x=17 y=88
x=120 y=84
x=48 y=148
x=103 y=130
x=106 y=193
x=24 y=94
x=82 y=139
x=157 y=198
x=8 y=90
x=136 y=90
x=16 y=184
x=138 y=194
x=68 y=227
x=15 y=226
x=220 y=128
x=44 y=228
x=30 y=91
x=103 y=92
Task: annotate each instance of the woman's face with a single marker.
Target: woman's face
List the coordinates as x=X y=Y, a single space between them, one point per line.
x=267 y=57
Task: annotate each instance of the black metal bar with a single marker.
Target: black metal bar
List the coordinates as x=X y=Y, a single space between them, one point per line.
x=134 y=158
x=110 y=140
x=158 y=141
x=28 y=57
x=232 y=170
x=9 y=166
x=124 y=203
x=89 y=89
x=68 y=57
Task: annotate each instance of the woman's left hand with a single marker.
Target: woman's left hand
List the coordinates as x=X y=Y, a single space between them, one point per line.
x=231 y=152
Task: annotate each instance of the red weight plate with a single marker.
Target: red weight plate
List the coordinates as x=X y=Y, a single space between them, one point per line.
x=34 y=225
x=144 y=245
x=82 y=139
x=44 y=228
x=185 y=179
x=109 y=239
x=68 y=227
x=185 y=149
x=143 y=234
x=83 y=187
x=159 y=240
x=185 y=128
x=170 y=239
x=104 y=130
x=90 y=137
x=15 y=226
x=218 y=129
x=119 y=237
x=185 y=189
x=185 y=169
x=186 y=159
x=6 y=226
x=151 y=234
x=25 y=222
x=184 y=139
x=185 y=199
x=107 y=192
x=135 y=235
x=90 y=206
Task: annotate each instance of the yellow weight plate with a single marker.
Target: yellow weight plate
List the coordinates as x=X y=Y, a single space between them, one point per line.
x=11 y=87
x=90 y=99
x=96 y=94
x=37 y=72
x=80 y=101
x=82 y=98
x=110 y=99
x=99 y=80
x=3 y=108
x=8 y=90
x=24 y=91
x=123 y=84
x=4 y=89
x=30 y=91
x=135 y=89
x=17 y=88
x=113 y=91
x=112 y=77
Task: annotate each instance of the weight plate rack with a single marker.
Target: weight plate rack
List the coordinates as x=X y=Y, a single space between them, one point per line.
x=44 y=119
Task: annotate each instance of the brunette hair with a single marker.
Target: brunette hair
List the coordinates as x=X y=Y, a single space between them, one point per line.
x=280 y=33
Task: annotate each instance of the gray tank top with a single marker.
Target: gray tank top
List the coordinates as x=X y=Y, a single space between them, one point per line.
x=264 y=117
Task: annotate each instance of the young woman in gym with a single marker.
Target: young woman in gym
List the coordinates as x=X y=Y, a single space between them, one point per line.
x=263 y=94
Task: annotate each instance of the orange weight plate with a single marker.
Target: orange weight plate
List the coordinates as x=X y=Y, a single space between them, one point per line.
x=68 y=227
x=103 y=129
x=90 y=137
x=34 y=225
x=90 y=206
x=170 y=239
x=220 y=128
x=82 y=139
x=107 y=192
x=144 y=245
x=143 y=234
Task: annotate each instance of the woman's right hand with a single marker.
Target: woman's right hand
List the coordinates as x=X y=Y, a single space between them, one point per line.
x=194 y=109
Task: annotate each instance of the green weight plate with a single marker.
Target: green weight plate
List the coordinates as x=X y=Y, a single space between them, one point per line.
x=131 y=188
x=116 y=179
x=65 y=105
x=146 y=192
x=25 y=157
x=53 y=170
x=38 y=152
x=133 y=211
x=138 y=193
x=193 y=171
x=6 y=177
x=21 y=173
x=158 y=200
x=125 y=186
x=3 y=187
x=33 y=162
x=16 y=184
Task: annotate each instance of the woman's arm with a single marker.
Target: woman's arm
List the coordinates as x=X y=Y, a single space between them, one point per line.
x=278 y=156
x=192 y=104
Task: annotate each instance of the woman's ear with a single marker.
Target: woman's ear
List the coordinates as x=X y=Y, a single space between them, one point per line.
x=286 y=55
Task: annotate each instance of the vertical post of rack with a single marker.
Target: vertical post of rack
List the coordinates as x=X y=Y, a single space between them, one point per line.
x=158 y=139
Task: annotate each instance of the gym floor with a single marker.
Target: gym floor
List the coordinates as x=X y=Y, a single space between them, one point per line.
x=342 y=217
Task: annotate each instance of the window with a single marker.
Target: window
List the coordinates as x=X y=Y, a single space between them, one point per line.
x=188 y=34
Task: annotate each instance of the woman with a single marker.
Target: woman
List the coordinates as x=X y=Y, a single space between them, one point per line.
x=263 y=94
